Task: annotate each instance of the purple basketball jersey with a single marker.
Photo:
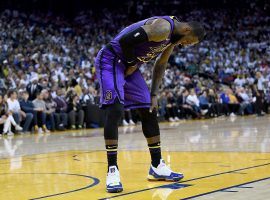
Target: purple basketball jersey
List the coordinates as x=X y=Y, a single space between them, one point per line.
x=146 y=51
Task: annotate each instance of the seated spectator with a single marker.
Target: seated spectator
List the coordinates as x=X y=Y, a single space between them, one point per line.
x=40 y=107
x=89 y=95
x=205 y=105
x=185 y=109
x=75 y=112
x=19 y=115
x=215 y=103
x=75 y=87
x=193 y=101
x=6 y=118
x=57 y=120
x=245 y=102
x=225 y=100
x=234 y=105
x=172 y=109
x=61 y=117
x=240 y=81
x=28 y=107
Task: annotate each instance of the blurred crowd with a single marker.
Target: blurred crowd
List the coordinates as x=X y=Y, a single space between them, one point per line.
x=47 y=66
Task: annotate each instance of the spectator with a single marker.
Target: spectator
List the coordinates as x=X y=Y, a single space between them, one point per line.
x=172 y=108
x=89 y=95
x=234 y=105
x=75 y=87
x=127 y=118
x=193 y=101
x=245 y=102
x=61 y=51
x=214 y=100
x=28 y=107
x=40 y=107
x=205 y=105
x=240 y=81
x=33 y=88
x=61 y=109
x=185 y=109
x=75 y=112
x=18 y=114
x=50 y=109
x=6 y=118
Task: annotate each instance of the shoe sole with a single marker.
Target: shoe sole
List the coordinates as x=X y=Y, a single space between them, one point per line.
x=115 y=190
x=152 y=178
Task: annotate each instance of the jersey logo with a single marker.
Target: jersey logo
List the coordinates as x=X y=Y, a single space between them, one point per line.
x=154 y=51
x=136 y=34
x=108 y=95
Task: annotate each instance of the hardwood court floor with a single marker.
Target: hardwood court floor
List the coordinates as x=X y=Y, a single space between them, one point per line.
x=223 y=158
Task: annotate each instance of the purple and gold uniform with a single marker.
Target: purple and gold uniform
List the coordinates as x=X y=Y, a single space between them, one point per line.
x=132 y=90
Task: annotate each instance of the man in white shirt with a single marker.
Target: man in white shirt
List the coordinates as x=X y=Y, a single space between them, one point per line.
x=18 y=114
x=240 y=81
x=246 y=101
x=193 y=100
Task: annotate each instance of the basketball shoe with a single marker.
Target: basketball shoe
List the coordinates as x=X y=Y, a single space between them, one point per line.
x=113 y=182
x=163 y=173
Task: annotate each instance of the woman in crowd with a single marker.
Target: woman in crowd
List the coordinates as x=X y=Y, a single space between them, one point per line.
x=75 y=112
x=213 y=99
x=172 y=108
x=6 y=118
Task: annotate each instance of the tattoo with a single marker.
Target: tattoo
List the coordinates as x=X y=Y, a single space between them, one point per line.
x=158 y=74
x=159 y=69
x=158 y=30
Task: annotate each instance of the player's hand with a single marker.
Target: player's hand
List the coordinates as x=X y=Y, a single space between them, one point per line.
x=130 y=70
x=154 y=104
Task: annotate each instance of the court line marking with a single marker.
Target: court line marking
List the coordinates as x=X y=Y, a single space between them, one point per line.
x=65 y=153
x=96 y=182
x=203 y=177
x=222 y=190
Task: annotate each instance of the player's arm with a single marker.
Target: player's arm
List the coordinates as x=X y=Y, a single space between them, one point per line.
x=159 y=69
x=157 y=31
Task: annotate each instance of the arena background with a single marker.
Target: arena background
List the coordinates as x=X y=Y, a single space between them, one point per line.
x=213 y=103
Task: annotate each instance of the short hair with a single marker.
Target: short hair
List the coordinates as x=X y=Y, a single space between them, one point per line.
x=11 y=92
x=197 y=29
x=25 y=92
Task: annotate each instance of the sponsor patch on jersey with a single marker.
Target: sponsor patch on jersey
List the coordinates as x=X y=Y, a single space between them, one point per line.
x=108 y=95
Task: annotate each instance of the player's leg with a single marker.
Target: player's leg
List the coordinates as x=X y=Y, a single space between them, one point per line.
x=110 y=73
x=137 y=96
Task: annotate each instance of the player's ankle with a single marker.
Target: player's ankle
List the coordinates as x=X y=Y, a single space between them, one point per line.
x=155 y=163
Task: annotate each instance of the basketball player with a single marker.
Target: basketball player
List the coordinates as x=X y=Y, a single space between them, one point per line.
x=123 y=86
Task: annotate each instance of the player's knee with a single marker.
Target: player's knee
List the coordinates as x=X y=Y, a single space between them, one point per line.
x=149 y=122
x=114 y=111
x=146 y=115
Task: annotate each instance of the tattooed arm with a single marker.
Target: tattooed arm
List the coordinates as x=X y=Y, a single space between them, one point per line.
x=156 y=30
x=158 y=73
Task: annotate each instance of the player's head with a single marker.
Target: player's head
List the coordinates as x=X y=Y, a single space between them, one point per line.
x=190 y=33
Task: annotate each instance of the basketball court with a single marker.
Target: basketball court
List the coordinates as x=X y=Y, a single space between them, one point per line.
x=222 y=158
